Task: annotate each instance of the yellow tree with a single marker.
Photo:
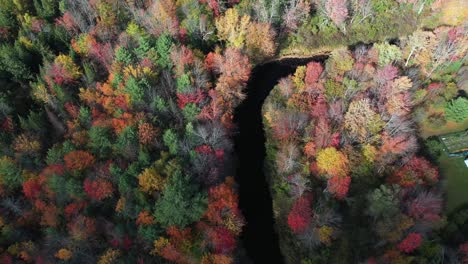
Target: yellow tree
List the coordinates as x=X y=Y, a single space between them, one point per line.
x=453 y=12
x=362 y=123
x=299 y=76
x=110 y=256
x=149 y=180
x=332 y=162
x=260 y=41
x=232 y=28
x=64 y=254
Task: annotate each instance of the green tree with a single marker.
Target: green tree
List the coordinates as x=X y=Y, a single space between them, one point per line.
x=124 y=56
x=14 y=59
x=135 y=89
x=85 y=116
x=163 y=47
x=99 y=141
x=457 y=110
x=126 y=140
x=340 y=61
x=46 y=9
x=10 y=174
x=383 y=202
x=388 y=53
x=171 y=141
x=55 y=154
x=181 y=204
x=183 y=83
x=190 y=112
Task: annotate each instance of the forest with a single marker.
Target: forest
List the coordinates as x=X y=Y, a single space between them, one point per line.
x=119 y=131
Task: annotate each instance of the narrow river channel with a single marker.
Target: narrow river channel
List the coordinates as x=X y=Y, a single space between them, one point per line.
x=259 y=237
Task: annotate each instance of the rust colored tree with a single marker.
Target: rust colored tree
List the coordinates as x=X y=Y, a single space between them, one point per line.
x=78 y=160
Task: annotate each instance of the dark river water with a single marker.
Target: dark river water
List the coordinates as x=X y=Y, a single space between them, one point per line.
x=259 y=238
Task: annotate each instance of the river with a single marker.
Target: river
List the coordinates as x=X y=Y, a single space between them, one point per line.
x=259 y=238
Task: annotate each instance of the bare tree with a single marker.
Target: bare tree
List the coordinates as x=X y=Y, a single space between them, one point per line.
x=447 y=49
x=83 y=14
x=287 y=158
x=212 y=134
x=200 y=77
x=299 y=184
x=418 y=41
x=267 y=11
x=295 y=13
x=310 y=238
x=361 y=9
x=56 y=123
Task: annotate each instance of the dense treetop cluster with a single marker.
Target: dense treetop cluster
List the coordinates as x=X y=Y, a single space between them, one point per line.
x=116 y=120
x=344 y=162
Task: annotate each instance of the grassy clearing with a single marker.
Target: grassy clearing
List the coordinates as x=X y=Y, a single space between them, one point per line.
x=426 y=130
x=454 y=170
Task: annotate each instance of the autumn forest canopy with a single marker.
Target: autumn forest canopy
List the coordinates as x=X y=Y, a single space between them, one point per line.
x=117 y=127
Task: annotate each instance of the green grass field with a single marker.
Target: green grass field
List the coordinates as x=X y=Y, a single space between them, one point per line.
x=453 y=169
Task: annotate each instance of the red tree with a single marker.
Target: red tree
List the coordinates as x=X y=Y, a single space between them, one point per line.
x=287 y=126
x=463 y=253
x=170 y=253
x=416 y=171
x=410 y=243
x=214 y=109
x=54 y=169
x=387 y=73
x=32 y=188
x=426 y=206
x=181 y=57
x=339 y=186
x=74 y=208
x=210 y=61
x=222 y=202
x=98 y=189
x=222 y=239
x=335 y=140
x=320 y=107
x=184 y=99
x=337 y=10
x=68 y=22
x=398 y=145
x=314 y=69
x=300 y=215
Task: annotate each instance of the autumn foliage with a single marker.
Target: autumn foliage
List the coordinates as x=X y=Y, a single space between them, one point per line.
x=343 y=129
x=78 y=160
x=417 y=171
x=410 y=243
x=98 y=189
x=117 y=124
x=338 y=186
x=332 y=162
x=300 y=215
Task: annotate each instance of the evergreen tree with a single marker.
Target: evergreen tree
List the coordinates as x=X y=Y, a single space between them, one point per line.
x=181 y=204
